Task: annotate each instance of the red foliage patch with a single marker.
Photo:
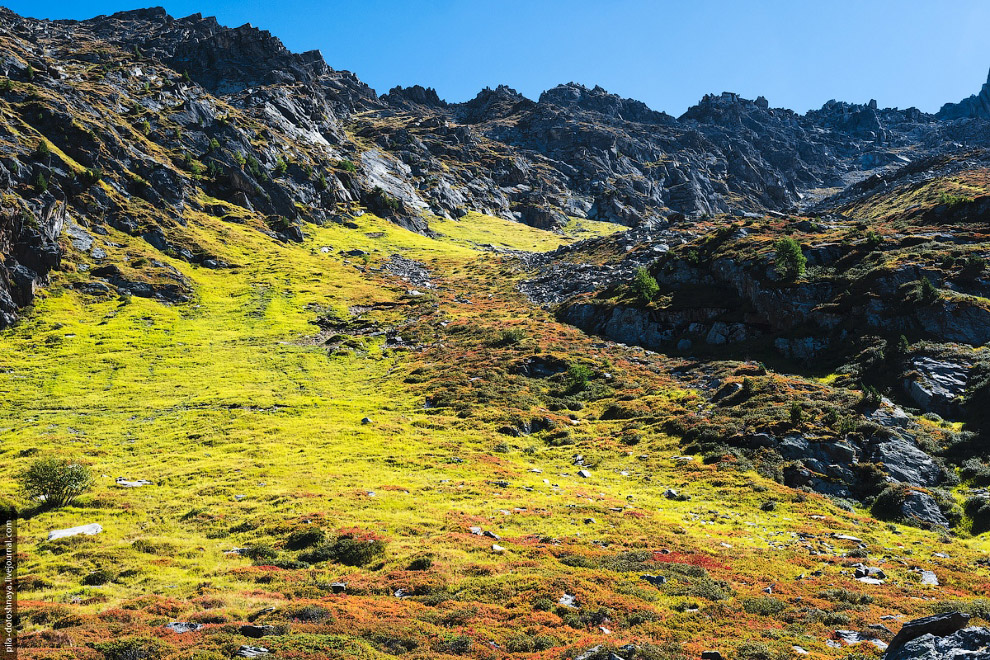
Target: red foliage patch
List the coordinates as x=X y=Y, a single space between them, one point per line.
x=704 y=561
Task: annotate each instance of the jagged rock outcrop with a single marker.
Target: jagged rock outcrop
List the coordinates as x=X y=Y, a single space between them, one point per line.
x=976 y=106
x=29 y=251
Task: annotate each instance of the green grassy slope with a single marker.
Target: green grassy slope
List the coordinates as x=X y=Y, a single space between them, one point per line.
x=250 y=427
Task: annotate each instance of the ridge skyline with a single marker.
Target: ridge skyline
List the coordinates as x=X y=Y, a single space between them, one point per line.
x=661 y=91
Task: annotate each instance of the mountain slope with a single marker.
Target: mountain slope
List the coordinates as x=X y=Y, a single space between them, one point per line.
x=332 y=360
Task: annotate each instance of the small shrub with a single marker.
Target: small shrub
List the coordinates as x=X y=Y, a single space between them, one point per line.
x=510 y=337
x=347 y=166
x=789 y=261
x=928 y=293
x=421 y=564
x=56 y=481
x=645 y=285
x=42 y=150
x=797 y=414
x=756 y=651
x=351 y=549
x=358 y=549
x=89 y=177
x=578 y=376
x=951 y=200
x=40 y=183
x=306 y=537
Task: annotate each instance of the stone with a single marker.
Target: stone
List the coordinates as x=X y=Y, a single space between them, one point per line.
x=338 y=587
x=921 y=508
x=871 y=572
x=655 y=580
x=965 y=644
x=89 y=530
x=584 y=474
x=124 y=483
x=851 y=638
x=567 y=600
x=182 y=627
x=257 y=631
x=937 y=384
x=938 y=625
x=929 y=578
x=366 y=420
x=711 y=655
x=251 y=652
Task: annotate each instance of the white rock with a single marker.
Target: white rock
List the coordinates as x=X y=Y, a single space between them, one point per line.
x=90 y=530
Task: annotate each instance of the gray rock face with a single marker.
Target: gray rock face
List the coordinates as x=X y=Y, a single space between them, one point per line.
x=965 y=644
x=976 y=106
x=29 y=251
x=938 y=625
x=937 y=384
x=922 y=508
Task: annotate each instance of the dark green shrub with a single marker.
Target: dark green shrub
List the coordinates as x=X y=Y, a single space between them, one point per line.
x=421 y=564
x=789 y=261
x=40 y=183
x=351 y=549
x=645 y=285
x=56 y=481
x=578 y=376
x=305 y=538
x=763 y=606
x=928 y=293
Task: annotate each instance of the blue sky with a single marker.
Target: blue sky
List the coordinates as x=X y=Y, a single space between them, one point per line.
x=797 y=53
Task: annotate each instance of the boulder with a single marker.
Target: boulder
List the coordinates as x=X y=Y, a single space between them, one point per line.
x=938 y=625
x=89 y=530
x=922 y=509
x=965 y=644
x=181 y=627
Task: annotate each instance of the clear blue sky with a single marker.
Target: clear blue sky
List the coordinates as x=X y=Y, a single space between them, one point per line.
x=797 y=53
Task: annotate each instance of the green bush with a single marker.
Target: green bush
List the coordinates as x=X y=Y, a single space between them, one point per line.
x=953 y=200
x=42 y=150
x=763 y=606
x=645 y=285
x=578 y=376
x=977 y=507
x=789 y=261
x=305 y=538
x=56 y=481
x=510 y=337
x=756 y=651
x=927 y=292
x=351 y=549
x=40 y=183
